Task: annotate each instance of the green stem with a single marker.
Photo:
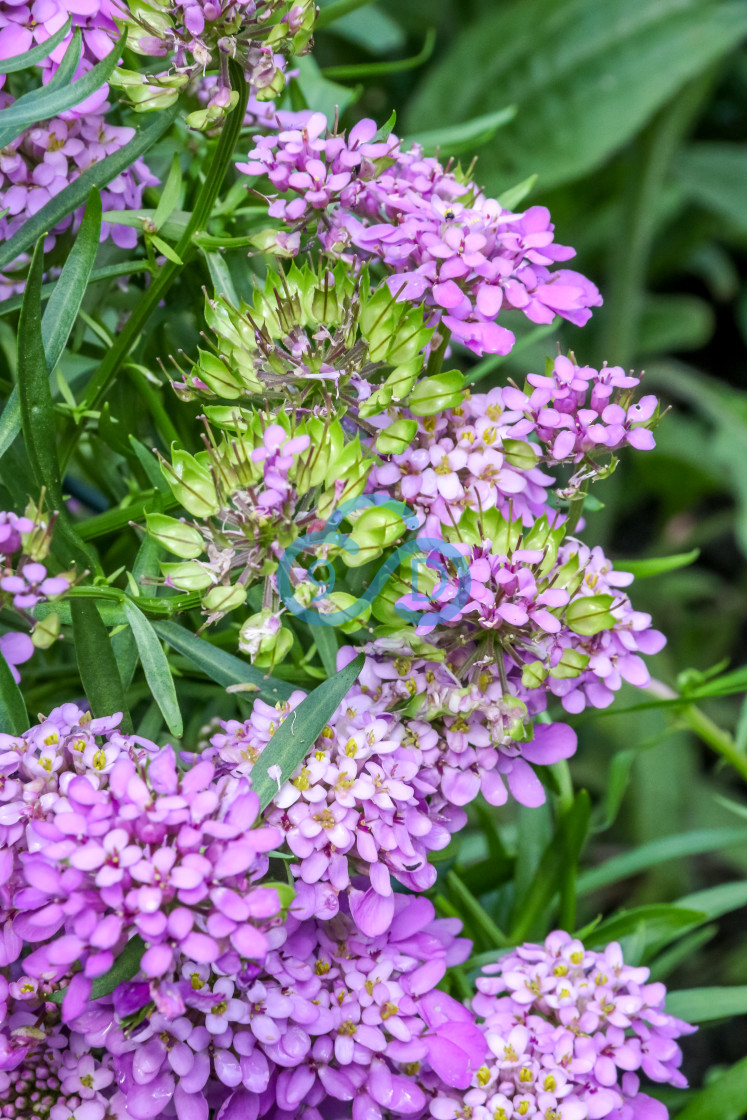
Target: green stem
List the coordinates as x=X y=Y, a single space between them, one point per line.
x=436 y=357
x=695 y=719
x=576 y=508
x=100 y=383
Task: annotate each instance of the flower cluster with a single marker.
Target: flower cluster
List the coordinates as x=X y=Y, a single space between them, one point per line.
x=570 y=1031
x=47 y=158
x=25 y=582
x=26 y=25
x=197 y=35
x=495 y=450
x=246 y=494
x=105 y=842
x=442 y=240
x=381 y=791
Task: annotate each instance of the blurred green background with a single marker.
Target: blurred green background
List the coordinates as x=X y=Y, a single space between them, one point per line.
x=633 y=116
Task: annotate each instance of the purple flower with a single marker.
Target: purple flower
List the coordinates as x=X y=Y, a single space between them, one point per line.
x=441 y=239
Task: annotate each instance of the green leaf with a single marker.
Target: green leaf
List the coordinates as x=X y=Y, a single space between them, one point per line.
x=479 y=921
x=723 y=1099
x=657 y=923
x=451 y=141
x=713 y=174
x=374 y=69
x=702 y=1005
x=220 y=666
x=558 y=859
x=717 y=901
x=659 y=851
x=336 y=10
x=67 y=297
x=37 y=417
x=319 y=92
x=156 y=668
x=14 y=718
x=37 y=54
x=41 y=104
x=297 y=734
x=657 y=565
x=511 y=198
x=589 y=614
x=94 y=178
x=386 y=129
x=169 y=199
x=124 y=968
x=96 y=662
x=585 y=77
x=124 y=644
x=325 y=640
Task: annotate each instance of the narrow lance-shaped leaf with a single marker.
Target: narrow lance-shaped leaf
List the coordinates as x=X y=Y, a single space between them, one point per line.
x=57 y=96
x=220 y=666
x=37 y=54
x=96 y=662
x=702 y=1005
x=299 y=731
x=37 y=417
x=61 y=311
x=13 y=716
x=94 y=178
x=124 y=968
x=156 y=668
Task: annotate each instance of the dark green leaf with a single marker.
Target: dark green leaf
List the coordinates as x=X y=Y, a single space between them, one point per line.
x=326 y=644
x=386 y=129
x=657 y=565
x=451 y=141
x=659 y=851
x=701 y=1005
x=374 y=69
x=336 y=10
x=37 y=417
x=658 y=922
x=64 y=303
x=220 y=666
x=96 y=662
x=479 y=922
x=560 y=855
x=585 y=77
x=713 y=174
x=725 y=1098
x=55 y=98
x=14 y=719
x=123 y=643
x=124 y=968
x=36 y=54
x=93 y=178
x=156 y=668
x=296 y=736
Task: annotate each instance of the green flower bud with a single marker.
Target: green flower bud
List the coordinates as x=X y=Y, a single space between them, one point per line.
x=188 y=576
x=435 y=394
x=203 y=119
x=533 y=675
x=590 y=614
x=520 y=454
x=46 y=632
x=396 y=439
x=218 y=377
x=571 y=664
x=221 y=600
x=176 y=536
x=342 y=601
x=264 y=640
x=191 y=483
